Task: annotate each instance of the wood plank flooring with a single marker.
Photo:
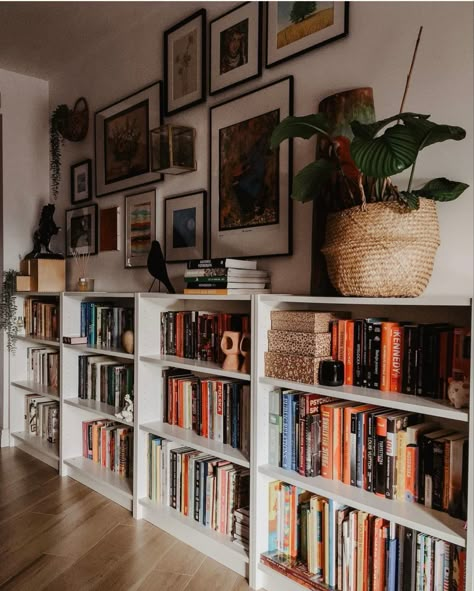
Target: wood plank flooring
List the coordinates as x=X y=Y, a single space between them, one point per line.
x=57 y=534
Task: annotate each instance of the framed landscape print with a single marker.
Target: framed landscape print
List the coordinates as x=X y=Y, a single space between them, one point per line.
x=140 y=227
x=250 y=183
x=234 y=47
x=81 y=230
x=185 y=63
x=185 y=227
x=296 y=27
x=122 y=141
x=81 y=182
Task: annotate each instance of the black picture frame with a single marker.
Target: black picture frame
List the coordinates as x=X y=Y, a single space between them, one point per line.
x=275 y=55
x=82 y=237
x=81 y=181
x=123 y=171
x=177 y=248
x=242 y=22
x=196 y=22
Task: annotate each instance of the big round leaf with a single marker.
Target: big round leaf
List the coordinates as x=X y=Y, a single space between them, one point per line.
x=303 y=127
x=311 y=180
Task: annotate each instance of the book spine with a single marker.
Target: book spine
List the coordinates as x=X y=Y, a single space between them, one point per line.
x=438 y=474
x=349 y=354
x=326 y=443
x=380 y=442
x=358 y=353
x=286 y=447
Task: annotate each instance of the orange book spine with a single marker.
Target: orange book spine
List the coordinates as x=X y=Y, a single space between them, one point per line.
x=365 y=565
x=95 y=443
x=346 y=451
x=349 y=354
x=378 y=574
x=341 y=340
x=326 y=442
x=204 y=409
x=337 y=443
x=386 y=356
x=103 y=447
x=334 y=341
x=293 y=522
x=411 y=473
x=396 y=347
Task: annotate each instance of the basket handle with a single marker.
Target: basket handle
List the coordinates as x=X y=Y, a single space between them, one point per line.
x=81 y=101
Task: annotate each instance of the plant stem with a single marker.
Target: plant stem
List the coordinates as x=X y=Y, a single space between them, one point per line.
x=410 y=71
x=410 y=180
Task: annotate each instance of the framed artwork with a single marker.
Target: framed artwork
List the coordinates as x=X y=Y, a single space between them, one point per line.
x=81 y=230
x=122 y=141
x=185 y=227
x=235 y=47
x=185 y=63
x=250 y=183
x=81 y=181
x=140 y=227
x=109 y=228
x=296 y=27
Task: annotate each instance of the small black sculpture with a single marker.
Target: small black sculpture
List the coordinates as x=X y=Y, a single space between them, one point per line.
x=46 y=230
x=157 y=267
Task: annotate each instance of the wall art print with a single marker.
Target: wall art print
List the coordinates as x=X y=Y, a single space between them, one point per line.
x=81 y=230
x=186 y=227
x=140 y=227
x=81 y=182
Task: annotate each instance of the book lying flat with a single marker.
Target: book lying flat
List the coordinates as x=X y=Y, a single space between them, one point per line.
x=222 y=264
x=231 y=291
x=75 y=340
x=226 y=285
x=225 y=272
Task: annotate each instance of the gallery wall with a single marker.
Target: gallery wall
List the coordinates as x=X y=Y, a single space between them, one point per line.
x=376 y=53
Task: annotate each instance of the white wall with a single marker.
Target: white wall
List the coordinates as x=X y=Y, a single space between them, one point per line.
x=377 y=53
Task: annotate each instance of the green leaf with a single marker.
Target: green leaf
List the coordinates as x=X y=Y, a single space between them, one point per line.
x=411 y=200
x=386 y=155
x=427 y=132
x=309 y=183
x=442 y=189
x=303 y=127
x=370 y=130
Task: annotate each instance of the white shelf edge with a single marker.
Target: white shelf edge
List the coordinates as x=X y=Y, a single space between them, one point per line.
x=278 y=580
x=96 y=407
x=39 y=444
x=195 y=365
x=38 y=340
x=36 y=294
x=100 y=294
x=182 y=296
x=100 y=351
x=442 y=301
x=35 y=388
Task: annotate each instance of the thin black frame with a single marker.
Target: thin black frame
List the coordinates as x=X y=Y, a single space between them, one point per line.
x=200 y=14
x=259 y=48
x=96 y=225
x=205 y=225
x=88 y=162
x=307 y=49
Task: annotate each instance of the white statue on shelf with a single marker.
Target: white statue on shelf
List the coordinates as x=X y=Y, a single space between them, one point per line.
x=126 y=413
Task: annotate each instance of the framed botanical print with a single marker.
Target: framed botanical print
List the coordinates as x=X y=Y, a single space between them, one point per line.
x=185 y=227
x=294 y=28
x=234 y=47
x=122 y=141
x=81 y=182
x=250 y=182
x=140 y=227
x=81 y=230
x=185 y=63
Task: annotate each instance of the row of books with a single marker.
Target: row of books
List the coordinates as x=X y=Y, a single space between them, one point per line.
x=43 y=366
x=241 y=528
x=104 y=323
x=322 y=544
x=394 y=454
x=400 y=356
x=214 y=408
x=197 y=335
x=42 y=417
x=104 y=379
x=109 y=444
x=198 y=485
x=41 y=318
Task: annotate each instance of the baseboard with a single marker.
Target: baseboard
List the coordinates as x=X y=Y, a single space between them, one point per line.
x=4 y=438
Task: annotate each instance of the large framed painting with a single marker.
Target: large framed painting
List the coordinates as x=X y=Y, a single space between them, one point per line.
x=294 y=28
x=81 y=230
x=140 y=227
x=122 y=141
x=234 y=47
x=186 y=227
x=250 y=182
x=184 y=65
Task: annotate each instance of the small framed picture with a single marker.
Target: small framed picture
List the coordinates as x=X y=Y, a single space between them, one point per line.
x=185 y=63
x=81 y=230
x=186 y=227
x=140 y=227
x=81 y=181
x=109 y=228
x=235 y=47
x=294 y=28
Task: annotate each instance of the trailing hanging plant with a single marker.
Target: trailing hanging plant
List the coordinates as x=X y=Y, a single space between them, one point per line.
x=57 y=124
x=8 y=308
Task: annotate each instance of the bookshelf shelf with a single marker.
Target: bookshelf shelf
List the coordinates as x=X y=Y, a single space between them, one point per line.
x=38 y=341
x=38 y=447
x=347 y=302
x=35 y=388
x=194 y=365
x=276 y=580
x=101 y=351
x=97 y=408
x=189 y=438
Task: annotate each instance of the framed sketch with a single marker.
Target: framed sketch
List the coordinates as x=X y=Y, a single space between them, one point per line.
x=140 y=227
x=81 y=230
x=250 y=183
x=294 y=28
x=185 y=63
x=81 y=181
x=122 y=141
x=185 y=227
x=235 y=47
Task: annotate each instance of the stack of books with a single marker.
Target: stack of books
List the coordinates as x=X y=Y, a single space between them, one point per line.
x=240 y=528
x=41 y=318
x=225 y=277
x=43 y=366
x=42 y=417
x=104 y=323
x=109 y=444
x=104 y=379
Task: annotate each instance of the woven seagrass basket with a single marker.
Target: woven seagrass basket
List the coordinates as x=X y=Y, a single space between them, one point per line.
x=382 y=251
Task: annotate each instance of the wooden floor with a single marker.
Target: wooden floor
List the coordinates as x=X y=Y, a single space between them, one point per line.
x=57 y=534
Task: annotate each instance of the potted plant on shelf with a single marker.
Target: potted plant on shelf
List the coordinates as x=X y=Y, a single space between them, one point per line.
x=8 y=308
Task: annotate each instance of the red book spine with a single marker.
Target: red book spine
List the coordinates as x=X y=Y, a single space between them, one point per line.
x=349 y=354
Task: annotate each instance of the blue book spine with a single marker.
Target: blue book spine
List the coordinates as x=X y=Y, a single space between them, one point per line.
x=359 y=454
x=392 y=564
x=83 y=319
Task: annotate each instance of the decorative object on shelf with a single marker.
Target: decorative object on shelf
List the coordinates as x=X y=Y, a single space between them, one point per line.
x=458 y=393
x=126 y=414
x=122 y=141
x=140 y=227
x=235 y=47
x=128 y=341
x=230 y=346
x=331 y=373
x=157 y=267
x=293 y=28
x=186 y=227
x=244 y=348
x=42 y=275
x=109 y=228
x=185 y=63
x=250 y=206
x=81 y=230
x=47 y=228
x=172 y=149
x=8 y=309
x=81 y=181
x=83 y=283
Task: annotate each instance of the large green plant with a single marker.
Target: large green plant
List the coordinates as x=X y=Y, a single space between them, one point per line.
x=8 y=308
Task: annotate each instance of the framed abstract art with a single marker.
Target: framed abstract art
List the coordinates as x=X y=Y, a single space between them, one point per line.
x=186 y=227
x=140 y=227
